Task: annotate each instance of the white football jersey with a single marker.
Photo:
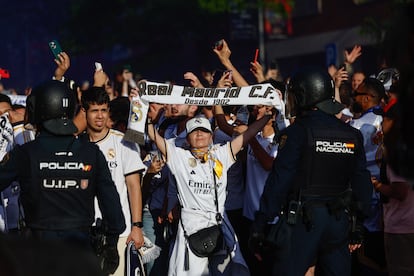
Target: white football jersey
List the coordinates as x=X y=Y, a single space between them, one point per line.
x=123 y=158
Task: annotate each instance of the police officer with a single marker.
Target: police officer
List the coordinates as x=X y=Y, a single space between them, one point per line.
x=60 y=175
x=318 y=178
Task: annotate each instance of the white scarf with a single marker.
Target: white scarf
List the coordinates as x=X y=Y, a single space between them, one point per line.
x=175 y=94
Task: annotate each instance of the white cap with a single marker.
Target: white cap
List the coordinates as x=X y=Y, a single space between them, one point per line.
x=198 y=122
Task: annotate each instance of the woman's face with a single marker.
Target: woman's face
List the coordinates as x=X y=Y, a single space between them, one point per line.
x=200 y=138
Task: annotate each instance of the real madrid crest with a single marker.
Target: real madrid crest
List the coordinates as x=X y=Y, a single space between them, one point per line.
x=136 y=113
x=192 y=162
x=111 y=153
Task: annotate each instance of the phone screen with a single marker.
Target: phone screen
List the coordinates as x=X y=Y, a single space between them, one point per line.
x=230 y=76
x=55 y=48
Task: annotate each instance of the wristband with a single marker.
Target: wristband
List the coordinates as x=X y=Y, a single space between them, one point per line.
x=138 y=224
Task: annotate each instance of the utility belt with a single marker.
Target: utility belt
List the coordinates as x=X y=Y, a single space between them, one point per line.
x=74 y=231
x=80 y=236
x=303 y=208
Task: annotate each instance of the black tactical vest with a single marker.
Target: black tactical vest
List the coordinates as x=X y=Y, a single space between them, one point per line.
x=327 y=162
x=59 y=186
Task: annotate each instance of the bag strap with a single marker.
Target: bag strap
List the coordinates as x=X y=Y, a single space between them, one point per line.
x=218 y=215
x=219 y=218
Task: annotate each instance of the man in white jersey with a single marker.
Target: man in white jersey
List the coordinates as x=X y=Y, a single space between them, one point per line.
x=367 y=100
x=125 y=164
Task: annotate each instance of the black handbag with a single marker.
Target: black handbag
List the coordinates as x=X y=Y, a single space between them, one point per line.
x=206 y=241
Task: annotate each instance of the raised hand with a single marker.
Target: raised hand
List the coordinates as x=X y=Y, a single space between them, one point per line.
x=350 y=57
x=63 y=64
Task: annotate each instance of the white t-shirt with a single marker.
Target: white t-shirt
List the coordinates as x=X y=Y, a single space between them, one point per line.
x=123 y=158
x=256 y=176
x=370 y=126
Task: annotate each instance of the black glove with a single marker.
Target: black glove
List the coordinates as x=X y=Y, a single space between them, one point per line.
x=110 y=259
x=356 y=235
x=257 y=233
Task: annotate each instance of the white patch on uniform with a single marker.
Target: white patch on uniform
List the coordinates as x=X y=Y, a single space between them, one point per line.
x=84 y=184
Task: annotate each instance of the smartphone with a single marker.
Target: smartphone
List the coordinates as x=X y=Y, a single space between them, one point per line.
x=230 y=76
x=256 y=55
x=98 y=66
x=343 y=65
x=55 y=48
x=219 y=44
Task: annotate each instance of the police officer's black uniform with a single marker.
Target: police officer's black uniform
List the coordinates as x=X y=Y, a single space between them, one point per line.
x=60 y=175
x=320 y=160
x=59 y=178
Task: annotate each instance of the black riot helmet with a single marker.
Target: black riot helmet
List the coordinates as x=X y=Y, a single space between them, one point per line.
x=312 y=87
x=52 y=105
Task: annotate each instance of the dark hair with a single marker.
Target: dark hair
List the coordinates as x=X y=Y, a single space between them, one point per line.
x=374 y=86
x=94 y=95
x=227 y=109
x=5 y=99
x=119 y=112
x=17 y=106
x=276 y=84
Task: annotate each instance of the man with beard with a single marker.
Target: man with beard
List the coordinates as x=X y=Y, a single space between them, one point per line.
x=367 y=100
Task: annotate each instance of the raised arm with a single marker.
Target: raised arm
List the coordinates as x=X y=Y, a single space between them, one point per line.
x=157 y=138
x=63 y=64
x=350 y=57
x=224 y=57
x=194 y=81
x=221 y=120
x=240 y=141
x=257 y=71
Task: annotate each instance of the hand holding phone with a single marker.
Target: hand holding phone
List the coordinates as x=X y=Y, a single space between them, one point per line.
x=55 y=48
x=230 y=76
x=256 y=55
